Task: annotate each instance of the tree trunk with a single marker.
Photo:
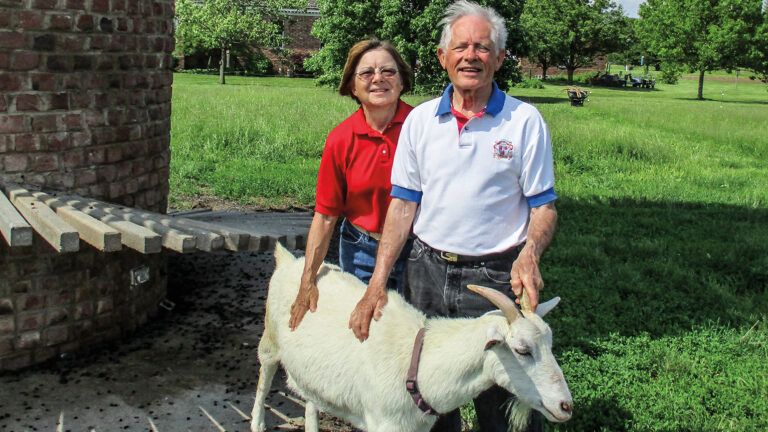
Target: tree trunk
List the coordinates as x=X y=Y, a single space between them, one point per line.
x=570 y=74
x=701 y=85
x=221 y=65
x=544 y=67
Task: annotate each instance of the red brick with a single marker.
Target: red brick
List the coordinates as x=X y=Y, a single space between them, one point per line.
x=15 y=163
x=56 y=316
x=86 y=23
x=44 y=4
x=73 y=159
x=12 y=40
x=60 y=22
x=5 y=18
x=6 y=306
x=28 y=340
x=25 y=143
x=74 y=43
x=80 y=139
x=3 y=104
x=31 y=320
x=118 y=5
x=5 y=146
x=56 y=335
x=30 y=302
x=44 y=82
x=10 y=82
x=114 y=154
x=44 y=123
x=58 y=101
x=55 y=142
x=28 y=102
x=76 y=4
x=85 y=177
x=5 y=60
x=7 y=325
x=45 y=162
x=73 y=122
x=25 y=60
x=31 y=20
x=83 y=310
x=6 y=347
x=12 y=123
x=100 y=6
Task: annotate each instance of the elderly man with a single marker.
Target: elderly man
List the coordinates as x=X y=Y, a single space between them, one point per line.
x=473 y=173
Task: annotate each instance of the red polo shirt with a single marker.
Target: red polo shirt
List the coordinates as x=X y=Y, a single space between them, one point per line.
x=354 y=176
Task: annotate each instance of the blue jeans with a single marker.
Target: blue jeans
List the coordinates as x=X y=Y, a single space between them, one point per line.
x=357 y=255
x=439 y=289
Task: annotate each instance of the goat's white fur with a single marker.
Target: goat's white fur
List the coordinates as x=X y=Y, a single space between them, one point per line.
x=364 y=383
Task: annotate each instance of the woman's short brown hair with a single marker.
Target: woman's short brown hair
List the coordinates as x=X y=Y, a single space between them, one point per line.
x=356 y=53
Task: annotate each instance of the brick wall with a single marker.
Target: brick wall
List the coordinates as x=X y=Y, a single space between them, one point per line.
x=85 y=91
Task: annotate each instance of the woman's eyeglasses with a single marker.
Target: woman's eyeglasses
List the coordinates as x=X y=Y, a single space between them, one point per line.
x=368 y=74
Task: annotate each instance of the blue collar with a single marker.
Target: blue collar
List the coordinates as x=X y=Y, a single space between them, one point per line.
x=494 y=106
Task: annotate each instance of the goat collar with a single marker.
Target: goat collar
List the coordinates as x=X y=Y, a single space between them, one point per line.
x=413 y=371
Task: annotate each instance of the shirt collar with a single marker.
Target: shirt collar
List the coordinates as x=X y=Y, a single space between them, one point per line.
x=361 y=126
x=494 y=106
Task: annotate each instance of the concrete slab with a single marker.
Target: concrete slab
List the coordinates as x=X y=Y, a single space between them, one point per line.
x=200 y=355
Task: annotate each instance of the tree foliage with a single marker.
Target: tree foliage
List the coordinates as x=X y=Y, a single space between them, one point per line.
x=757 y=56
x=703 y=35
x=411 y=25
x=222 y=24
x=572 y=32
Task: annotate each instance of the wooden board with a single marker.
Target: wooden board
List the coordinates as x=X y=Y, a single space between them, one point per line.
x=59 y=234
x=16 y=231
x=93 y=231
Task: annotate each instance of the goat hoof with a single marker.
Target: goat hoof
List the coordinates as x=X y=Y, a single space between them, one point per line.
x=258 y=426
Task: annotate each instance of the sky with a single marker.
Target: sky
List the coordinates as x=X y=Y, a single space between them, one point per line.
x=630 y=6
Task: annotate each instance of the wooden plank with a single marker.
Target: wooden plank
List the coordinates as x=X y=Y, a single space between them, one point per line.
x=133 y=236
x=16 y=231
x=207 y=240
x=173 y=239
x=92 y=231
x=59 y=234
x=232 y=239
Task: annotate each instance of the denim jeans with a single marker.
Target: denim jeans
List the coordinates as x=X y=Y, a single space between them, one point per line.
x=439 y=289
x=357 y=255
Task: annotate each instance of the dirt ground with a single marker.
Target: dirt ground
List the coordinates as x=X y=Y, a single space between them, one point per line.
x=193 y=368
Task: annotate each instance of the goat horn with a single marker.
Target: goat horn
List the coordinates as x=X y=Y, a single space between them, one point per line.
x=504 y=303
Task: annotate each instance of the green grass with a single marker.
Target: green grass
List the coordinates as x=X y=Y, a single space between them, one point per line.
x=660 y=257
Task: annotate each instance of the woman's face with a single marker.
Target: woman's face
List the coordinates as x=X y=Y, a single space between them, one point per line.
x=377 y=82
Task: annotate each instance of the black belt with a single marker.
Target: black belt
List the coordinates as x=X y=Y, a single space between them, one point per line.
x=455 y=258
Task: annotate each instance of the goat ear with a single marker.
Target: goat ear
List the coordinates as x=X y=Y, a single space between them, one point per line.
x=493 y=337
x=547 y=306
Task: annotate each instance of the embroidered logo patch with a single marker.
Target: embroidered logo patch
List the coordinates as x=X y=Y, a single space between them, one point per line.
x=503 y=149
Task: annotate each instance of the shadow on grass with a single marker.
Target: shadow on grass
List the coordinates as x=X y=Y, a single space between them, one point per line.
x=749 y=102
x=535 y=100
x=662 y=268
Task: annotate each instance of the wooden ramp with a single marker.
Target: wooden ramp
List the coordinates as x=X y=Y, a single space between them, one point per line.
x=63 y=220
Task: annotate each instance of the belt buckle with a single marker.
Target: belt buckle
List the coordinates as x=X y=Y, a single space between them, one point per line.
x=449 y=256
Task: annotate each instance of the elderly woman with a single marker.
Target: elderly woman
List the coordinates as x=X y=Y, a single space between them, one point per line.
x=354 y=177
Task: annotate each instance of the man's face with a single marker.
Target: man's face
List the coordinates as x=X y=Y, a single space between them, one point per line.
x=471 y=58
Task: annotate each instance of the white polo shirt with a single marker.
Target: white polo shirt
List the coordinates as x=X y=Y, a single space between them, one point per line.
x=475 y=187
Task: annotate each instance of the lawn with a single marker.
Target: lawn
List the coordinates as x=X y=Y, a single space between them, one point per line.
x=660 y=256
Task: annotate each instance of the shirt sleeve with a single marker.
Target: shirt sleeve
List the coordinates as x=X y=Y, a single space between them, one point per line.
x=331 y=190
x=537 y=179
x=406 y=181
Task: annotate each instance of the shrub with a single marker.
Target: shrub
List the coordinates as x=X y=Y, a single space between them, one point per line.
x=534 y=83
x=670 y=73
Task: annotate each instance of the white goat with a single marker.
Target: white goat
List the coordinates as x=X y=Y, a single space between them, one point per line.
x=364 y=383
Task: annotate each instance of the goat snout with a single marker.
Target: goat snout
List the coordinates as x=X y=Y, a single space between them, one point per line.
x=566 y=406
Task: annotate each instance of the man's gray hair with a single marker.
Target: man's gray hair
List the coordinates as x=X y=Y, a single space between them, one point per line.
x=464 y=8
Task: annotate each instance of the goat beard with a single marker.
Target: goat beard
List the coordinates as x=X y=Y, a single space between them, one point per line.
x=518 y=414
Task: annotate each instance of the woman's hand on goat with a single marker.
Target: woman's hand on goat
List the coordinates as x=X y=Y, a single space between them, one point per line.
x=306 y=299
x=526 y=279
x=370 y=306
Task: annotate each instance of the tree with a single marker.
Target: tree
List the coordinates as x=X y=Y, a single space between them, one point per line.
x=572 y=32
x=411 y=25
x=222 y=24
x=703 y=35
x=757 y=59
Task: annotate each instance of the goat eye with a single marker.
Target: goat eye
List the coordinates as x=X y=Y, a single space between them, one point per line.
x=523 y=351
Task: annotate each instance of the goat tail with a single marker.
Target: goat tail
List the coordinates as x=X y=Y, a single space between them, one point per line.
x=282 y=255
x=518 y=415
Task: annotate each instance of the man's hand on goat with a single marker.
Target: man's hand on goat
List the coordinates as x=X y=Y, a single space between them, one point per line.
x=368 y=307
x=306 y=299
x=526 y=278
